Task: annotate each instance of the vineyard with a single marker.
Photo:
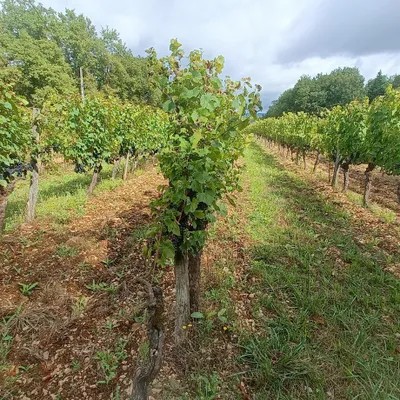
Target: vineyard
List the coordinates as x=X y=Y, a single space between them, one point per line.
x=175 y=246
x=358 y=133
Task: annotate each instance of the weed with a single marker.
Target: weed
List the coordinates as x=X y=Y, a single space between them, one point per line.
x=107 y=263
x=27 y=288
x=75 y=365
x=84 y=265
x=207 y=386
x=6 y=337
x=109 y=361
x=108 y=364
x=79 y=306
x=102 y=287
x=64 y=250
x=111 y=324
x=117 y=394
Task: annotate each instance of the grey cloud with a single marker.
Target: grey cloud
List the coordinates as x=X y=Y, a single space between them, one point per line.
x=273 y=41
x=344 y=27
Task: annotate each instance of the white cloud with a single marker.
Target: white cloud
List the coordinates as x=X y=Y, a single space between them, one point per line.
x=250 y=34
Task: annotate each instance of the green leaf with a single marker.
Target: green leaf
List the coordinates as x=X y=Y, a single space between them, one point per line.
x=168 y=106
x=206 y=197
x=231 y=201
x=196 y=138
x=221 y=312
x=197 y=315
x=195 y=116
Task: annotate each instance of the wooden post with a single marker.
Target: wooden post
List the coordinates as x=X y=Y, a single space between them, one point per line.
x=35 y=164
x=126 y=166
x=82 y=86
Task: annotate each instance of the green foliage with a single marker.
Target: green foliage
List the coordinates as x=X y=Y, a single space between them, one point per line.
x=15 y=136
x=312 y=95
x=207 y=117
x=383 y=135
x=42 y=51
x=92 y=128
x=357 y=133
x=377 y=86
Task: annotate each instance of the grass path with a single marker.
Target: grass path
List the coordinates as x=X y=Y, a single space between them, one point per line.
x=326 y=313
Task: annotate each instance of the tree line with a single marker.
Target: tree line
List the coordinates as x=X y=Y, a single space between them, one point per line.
x=43 y=51
x=361 y=132
x=324 y=91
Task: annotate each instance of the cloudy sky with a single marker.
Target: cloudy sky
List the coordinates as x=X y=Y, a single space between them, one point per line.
x=273 y=41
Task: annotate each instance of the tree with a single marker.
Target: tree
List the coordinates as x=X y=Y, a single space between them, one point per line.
x=342 y=86
x=324 y=91
x=395 y=80
x=207 y=116
x=377 y=86
x=309 y=96
x=42 y=51
x=285 y=103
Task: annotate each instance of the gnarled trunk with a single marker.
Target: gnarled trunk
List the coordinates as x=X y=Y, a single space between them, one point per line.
x=36 y=166
x=345 y=168
x=398 y=191
x=329 y=170
x=316 y=162
x=134 y=163
x=182 y=296
x=150 y=367
x=4 y=193
x=126 y=166
x=95 y=179
x=115 y=169
x=194 y=281
x=298 y=157
x=33 y=192
x=304 y=159
x=368 y=183
x=336 y=171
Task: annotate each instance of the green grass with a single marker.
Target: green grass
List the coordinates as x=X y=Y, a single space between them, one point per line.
x=326 y=312
x=384 y=213
x=62 y=196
